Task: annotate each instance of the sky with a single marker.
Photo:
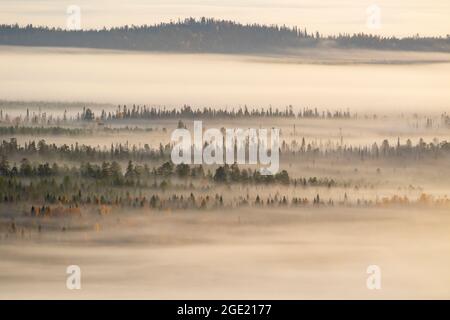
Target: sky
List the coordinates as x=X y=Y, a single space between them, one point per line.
x=392 y=17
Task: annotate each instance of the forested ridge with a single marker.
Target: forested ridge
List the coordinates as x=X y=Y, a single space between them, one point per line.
x=210 y=36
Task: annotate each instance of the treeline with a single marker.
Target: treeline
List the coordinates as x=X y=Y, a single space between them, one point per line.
x=137 y=174
x=385 y=150
x=209 y=35
x=82 y=152
x=292 y=150
x=60 y=204
x=68 y=131
x=138 y=112
x=34 y=130
x=187 y=112
x=94 y=204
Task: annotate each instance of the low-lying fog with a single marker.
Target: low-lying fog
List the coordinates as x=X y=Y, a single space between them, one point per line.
x=257 y=254
x=242 y=251
x=354 y=132
x=397 y=81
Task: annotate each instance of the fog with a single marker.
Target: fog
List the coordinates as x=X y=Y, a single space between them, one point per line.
x=247 y=252
x=393 y=83
x=263 y=254
x=387 y=208
x=361 y=132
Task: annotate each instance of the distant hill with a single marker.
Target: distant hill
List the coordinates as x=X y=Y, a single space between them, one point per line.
x=210 y=36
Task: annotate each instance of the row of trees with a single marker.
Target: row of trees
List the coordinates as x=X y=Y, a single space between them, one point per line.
x=385 y=150
x=52 y=204
x=137 y=175
x=294 y=149
x=187 y=112
x=77 y=152
x=209 y=35
x=111 y=172
x=52 y=123
x=232 y=173
x=41 y=130
x=137 y=112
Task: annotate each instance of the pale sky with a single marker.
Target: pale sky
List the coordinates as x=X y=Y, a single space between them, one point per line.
x=398 y=17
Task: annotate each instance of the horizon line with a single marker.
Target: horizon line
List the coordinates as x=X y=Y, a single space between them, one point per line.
x=181 y=21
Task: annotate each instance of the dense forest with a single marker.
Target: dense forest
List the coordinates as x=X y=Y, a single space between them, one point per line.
x=50 y=178
x=211 y=36
x=60 y=190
